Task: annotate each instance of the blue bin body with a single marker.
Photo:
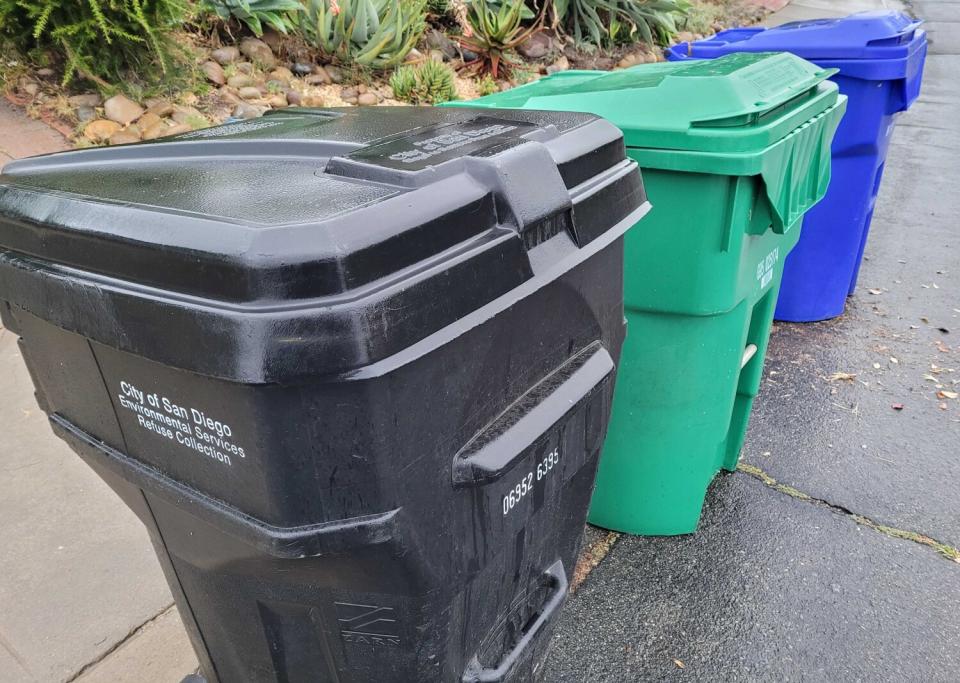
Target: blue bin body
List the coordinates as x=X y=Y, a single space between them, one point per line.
x=880 y=58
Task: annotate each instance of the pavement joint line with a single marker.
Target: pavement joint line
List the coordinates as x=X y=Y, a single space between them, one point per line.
x=591 y=557
x=120 y=643
x=948 y=551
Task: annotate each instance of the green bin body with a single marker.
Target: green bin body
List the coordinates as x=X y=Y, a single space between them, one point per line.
x=733 y=152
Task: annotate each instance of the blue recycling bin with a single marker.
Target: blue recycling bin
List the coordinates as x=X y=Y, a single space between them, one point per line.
x=879 y=57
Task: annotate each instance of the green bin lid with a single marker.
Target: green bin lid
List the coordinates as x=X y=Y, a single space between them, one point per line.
x=741 y=102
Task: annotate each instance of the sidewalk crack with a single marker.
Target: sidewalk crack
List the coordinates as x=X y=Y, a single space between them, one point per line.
x=948 y=551
x=120 y=643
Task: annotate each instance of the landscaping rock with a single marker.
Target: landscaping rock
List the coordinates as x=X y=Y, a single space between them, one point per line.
x=561 y=64
x=258 y=51
x=278 y=101
x=469 y=55
x=154 y=131
x=213 y=72
x=349 y=94
x=124 y=137
x=87 y=100
x=249 y=93
x=312 y=101
x=225 y=55
x=244 y=68
x=282 y=74
x=160 y=107
x=100 y=130
x=29 y=87
x=537 y=46
x=240 y=81
x=85 y=114
x=301 y=68
x=438 y=40
x=122 y=110
x=368 y=99
x=318 y=79
x=335 y=73
x=45 y=72
x=188 y=115
x=294 y=98
x=148 y=121
x=176 y=130
x=245 y=110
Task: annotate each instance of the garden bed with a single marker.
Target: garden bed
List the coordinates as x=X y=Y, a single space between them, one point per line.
x=213 y=66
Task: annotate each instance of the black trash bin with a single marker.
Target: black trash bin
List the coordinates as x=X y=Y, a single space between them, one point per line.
x=351 y=368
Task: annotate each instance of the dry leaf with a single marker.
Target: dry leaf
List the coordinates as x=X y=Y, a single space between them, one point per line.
x=875 y=291
x=841 y=376
x=947 y=394
x=679 y=664
x=894 y=360
x=942 y=406
x=930 y=378
x=897 y=406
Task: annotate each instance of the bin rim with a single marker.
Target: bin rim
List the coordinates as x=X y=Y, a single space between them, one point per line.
x=756 y=100
x=875 y=45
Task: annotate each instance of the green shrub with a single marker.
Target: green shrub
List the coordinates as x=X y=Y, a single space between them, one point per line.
x=429 y=83
x=371 y=33
x=602 y=23
x=98 y=39
x=256 y=13
x=487 y=86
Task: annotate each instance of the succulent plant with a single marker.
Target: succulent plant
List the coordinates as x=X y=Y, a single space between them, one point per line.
x=372 y=33
x=496 y=30
x=256 y=13
x=429 y=83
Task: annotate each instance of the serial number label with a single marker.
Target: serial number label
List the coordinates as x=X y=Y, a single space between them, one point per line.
x=525 y=486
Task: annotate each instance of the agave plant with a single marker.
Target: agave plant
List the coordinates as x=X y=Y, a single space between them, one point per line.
x=495 y=32
x=604 y=22
x=255 y=13
x=372 y=33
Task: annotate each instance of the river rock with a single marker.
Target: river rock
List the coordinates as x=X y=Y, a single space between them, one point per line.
x=258 y=51
x=124 y=137
x=213 y=72
x=87 y=100
x=122 y=110
x=225 y=55
x=100 y=130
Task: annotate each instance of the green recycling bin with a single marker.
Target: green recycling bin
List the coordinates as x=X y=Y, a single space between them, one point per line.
x=733 y=151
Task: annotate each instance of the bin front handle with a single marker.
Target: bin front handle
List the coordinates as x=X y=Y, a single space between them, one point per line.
x=493 y=451
x=556 y=578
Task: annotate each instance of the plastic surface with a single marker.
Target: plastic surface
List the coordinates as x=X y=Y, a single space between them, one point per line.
x=362 y=428
x=702 y=273
x=879 y=58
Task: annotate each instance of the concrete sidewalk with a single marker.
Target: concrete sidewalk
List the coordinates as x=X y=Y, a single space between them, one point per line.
x=833 y=577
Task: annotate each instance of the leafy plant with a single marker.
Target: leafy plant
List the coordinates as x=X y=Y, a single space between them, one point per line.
x=97 y=39
x=495 y=30
x=487 y=86
x=438 y=7
x=429 y=83
x=256 y=13
x=601 y=23
x=372 y=33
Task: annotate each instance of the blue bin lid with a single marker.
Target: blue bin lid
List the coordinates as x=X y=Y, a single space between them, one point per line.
x=882 y=34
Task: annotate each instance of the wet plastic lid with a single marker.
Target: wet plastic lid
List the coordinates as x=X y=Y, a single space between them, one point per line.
x=882 y=34
x=738 y=103
x=358 y=231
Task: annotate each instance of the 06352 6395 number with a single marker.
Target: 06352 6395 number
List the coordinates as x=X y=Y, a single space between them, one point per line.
x=525 y=486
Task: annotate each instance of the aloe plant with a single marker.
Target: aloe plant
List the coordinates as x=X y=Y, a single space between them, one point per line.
x=496 y=29
x=601 y=23
x=372 y=33
x=256 y=13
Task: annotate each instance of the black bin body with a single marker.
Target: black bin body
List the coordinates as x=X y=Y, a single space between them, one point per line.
x=351 y=368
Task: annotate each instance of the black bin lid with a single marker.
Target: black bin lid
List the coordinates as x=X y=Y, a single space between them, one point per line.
x=319 y=210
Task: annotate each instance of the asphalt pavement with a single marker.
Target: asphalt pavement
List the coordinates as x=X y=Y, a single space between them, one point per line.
x=833 y=555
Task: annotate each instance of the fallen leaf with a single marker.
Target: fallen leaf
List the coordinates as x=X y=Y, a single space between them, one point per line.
x=941 y=347
x=894 y=360
x=930 y=378
x=942 y=406
x=947 y=394
x=875 y=291
x=841 y=376
x=897 y=406
x=943 y=329
x=679 y=664
x=924 y=320
x=876 y=366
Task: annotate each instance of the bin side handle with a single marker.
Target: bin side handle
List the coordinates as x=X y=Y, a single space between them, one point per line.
x=556 y=578
x=502 y=443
